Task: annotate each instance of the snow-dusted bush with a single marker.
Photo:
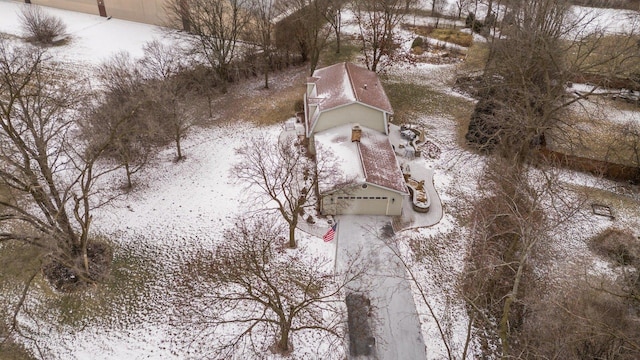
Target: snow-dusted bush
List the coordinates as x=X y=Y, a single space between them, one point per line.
x=39 y=26
x=417 y=42
x=617 y=245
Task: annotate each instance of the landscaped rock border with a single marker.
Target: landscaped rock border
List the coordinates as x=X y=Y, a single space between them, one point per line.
x=420 y=201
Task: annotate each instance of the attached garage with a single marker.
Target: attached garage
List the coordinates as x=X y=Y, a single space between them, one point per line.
x=365 y=177
x=371 y=200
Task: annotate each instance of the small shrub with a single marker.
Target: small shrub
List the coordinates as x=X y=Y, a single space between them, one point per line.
x=595 y=323
x=617 y=245
x=417 y=42
x=298 y=106
x=470 y=19
x=453 y=36
x=40 y=26
x=417 y=50
x=477 y=27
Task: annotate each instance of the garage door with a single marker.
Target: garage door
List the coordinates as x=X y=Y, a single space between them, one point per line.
x=362 y=205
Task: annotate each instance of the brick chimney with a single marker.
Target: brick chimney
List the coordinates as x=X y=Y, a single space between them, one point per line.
x=356 y=133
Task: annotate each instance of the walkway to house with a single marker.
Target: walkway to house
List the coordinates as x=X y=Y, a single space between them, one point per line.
x=419 y=171
x=395 y=319
x=411 y=219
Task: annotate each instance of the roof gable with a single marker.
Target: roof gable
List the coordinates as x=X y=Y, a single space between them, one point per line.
x=345 y=83
x=367 y=88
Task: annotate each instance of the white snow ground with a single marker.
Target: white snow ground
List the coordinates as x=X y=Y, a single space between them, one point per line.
x=92 y=38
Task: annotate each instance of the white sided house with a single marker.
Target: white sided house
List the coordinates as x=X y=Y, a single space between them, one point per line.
x=345 y=93
x=346 y=118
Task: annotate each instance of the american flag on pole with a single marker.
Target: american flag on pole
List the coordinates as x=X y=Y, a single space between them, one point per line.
x=330 y=233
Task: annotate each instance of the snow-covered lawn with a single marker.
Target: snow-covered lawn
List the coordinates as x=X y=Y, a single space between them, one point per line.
x=92 y=39
x=175 y=211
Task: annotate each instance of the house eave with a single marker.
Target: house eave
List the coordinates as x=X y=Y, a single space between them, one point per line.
x=359 y=184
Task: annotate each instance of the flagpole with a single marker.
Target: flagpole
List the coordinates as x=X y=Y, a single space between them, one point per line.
x=335 y=259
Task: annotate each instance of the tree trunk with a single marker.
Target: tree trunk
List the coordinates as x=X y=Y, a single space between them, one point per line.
x=503 y=329
x=128 y=170
x=315 y=58
x=266 y=71
x=337 y=29
x=292 y=234
x=223 y=75
x=283 y=342
x=178 y=147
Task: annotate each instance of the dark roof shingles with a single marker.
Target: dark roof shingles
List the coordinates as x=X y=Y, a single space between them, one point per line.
x=344 y=83
x=379 y=162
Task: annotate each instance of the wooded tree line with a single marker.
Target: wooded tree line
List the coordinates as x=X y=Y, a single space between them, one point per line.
x=227 y=30
x=522 y=204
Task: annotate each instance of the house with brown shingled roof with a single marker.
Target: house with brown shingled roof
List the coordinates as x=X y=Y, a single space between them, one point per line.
x=347 y=113
x=343 y=93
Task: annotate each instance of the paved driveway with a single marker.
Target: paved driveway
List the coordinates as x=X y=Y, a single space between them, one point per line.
x=396 y=324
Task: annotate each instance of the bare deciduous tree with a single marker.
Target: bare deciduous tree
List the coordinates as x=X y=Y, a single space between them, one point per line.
x=333 y=15
x=307 y=27
x=119 y=115
x=265 y=12
x=45 y=167
x=217 y=27
x=525 y=94
x=169 y=94
x=511 y=220
x=583 y=318
x=438 y=8
x=283 y=172
x=252 y=294
x=460 y=6
x=377 y=21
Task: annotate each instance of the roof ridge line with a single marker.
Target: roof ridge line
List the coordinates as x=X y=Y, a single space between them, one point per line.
x=353 y=87
x=364 y=168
